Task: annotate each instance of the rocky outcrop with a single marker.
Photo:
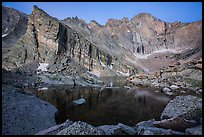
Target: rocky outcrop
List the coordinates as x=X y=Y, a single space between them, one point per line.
x=24 y=114
x=55 y=129
x=48 y=40
x=173 y=79
x=188 y=107
x=148 y=128
x=175 y=123
x=80 y=128
x=194 y=130
x=120 y=129
x=141 y=37
x=14 y=25
x=116 y=48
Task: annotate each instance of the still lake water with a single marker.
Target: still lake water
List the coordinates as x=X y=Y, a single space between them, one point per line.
x=109 y=106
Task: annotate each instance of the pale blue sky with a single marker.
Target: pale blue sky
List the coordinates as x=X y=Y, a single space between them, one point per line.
x=102 y=11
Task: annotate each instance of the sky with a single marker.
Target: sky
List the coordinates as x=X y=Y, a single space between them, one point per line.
x=185 y=12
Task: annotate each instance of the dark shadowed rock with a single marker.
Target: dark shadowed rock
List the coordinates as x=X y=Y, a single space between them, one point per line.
x=14 y=25
x=194 y=130
x=143 y=130
x=148 y=123
x=120 y=129
x=111 y=129
x=148 y=128
x=175 y=123
x=127 y=129
x=55 y=129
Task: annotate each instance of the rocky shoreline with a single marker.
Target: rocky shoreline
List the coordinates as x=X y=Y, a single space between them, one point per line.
x=174 y=79
x=182 y=115
x=52 y=52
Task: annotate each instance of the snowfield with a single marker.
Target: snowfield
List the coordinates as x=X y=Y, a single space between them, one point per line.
x=43 y=66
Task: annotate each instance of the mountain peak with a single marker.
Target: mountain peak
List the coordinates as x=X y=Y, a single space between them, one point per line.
x=95 y=22
x=37 y=10
x=143 y=16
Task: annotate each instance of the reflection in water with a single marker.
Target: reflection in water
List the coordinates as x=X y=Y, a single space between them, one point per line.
x=109 y=106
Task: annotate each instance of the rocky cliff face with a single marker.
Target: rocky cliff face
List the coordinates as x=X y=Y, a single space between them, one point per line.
x=49 y=40
x=143 y=36
x=120 y=47
x=14 y=24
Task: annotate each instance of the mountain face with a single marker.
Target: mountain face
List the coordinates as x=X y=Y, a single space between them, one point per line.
x=14 y=25
x=120 y=47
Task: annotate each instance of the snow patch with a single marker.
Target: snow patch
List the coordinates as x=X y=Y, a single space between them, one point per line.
x=156 y=51
x=128 y=30
x=110 y=84
x=102 y=64
x=127 y=87
x=110 y=66
x=124 y=74
x=40 y=89
x=4 y=35
x=43 y=66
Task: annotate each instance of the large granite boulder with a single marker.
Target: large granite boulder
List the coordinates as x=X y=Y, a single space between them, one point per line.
x=194 y=130
x=80 y=128
x=175 y=123
x=188 y=107
x=148 y=128
x=120 y=129
x=24 y=114
x=111 y=129
x=55 y=129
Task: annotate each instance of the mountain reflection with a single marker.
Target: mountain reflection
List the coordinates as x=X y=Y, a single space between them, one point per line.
x=109 y=106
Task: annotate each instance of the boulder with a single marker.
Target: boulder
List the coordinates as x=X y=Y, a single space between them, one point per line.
x=142 y=130
x=79 y=101
x=166 y=89
x=24 y=114
x=165 y=76
x=188 y=107
x=148 y=123
x=111 y=129
x=169 y=93
x=199 y=91
x=174 y=87
x=194 y=130
x=127 y=129
x=198 y=66
x=80 y=128
x=55 y=129
x=148 y=128
x=175 y=123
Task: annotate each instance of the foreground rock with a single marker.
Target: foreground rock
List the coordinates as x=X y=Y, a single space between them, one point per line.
x=79 y=101
x=23 y=114
x=80 y=128
x=194 y=131
x=54 y=130
x=175 y=123
x=188 y=107
x=111 y=129
x=148 y=128
x=120 y=129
